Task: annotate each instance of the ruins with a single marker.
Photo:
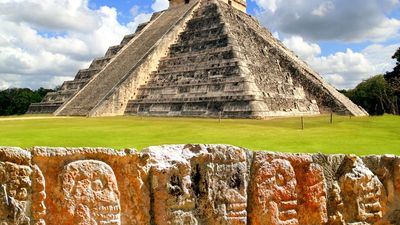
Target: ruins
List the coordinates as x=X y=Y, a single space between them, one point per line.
x=195 y=185
x=203 y=58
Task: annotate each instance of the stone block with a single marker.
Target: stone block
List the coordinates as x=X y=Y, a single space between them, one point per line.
x=356 y=195
x=94 y=186
x=199 y=184
x=21 y=189
x=287 y=189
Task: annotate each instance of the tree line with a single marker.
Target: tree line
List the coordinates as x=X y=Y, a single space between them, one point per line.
x=16 y=101
x=379 y=94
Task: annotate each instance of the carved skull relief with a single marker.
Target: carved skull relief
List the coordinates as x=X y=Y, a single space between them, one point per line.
x=361 y=193
x=173 y=195
x=233 y=201
x=15 y=188
x=221 y=191
x=179 y=187
x=276 y=193
x=91 y=193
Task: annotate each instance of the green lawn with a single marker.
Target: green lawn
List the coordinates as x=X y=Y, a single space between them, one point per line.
x=369 y=135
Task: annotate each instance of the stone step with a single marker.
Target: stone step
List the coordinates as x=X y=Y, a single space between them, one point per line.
x=218 y=98
x=113 y=50
x=201 y=45
x=99 y=63
x=209 y=82
x=200 y=66
x=74 y=84
x=128 y=38
x=86 y=73
x=43 y=108
x=206 y=55
x=141 y=26
x=59 y=96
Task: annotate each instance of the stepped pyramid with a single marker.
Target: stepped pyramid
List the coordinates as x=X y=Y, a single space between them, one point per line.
x=203 y=58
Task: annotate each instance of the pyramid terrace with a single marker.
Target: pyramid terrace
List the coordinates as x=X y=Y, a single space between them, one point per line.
x=198 y=58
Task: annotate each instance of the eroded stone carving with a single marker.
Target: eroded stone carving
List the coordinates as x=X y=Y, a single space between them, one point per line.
x=15 y=191
x=275 y=193
x=312 y=194
x=220 y=180
x=196 y=184
x=91 y=193
x=199 y=184
x=38 y=196
x=174 y=201
x=287 y=190
x=361 y=194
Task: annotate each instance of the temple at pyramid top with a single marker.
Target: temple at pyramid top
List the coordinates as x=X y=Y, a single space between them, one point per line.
x=198 y=58
x=238 y=4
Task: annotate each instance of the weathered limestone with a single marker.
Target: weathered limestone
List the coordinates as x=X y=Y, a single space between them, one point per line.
x=94 y=186
x=203 y=58
x=22 y=189
x=287 y=189
x=238 y=4
x=199 y=184
x=195 y=185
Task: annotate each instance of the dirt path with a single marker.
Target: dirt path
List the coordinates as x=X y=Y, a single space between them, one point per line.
x=32 y=118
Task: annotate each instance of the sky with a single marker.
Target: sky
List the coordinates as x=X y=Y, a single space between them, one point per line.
x=45 y=42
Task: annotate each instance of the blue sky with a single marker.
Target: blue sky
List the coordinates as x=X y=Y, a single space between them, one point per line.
x=345 y=41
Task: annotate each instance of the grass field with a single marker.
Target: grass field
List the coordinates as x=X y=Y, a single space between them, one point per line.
x=362 y=136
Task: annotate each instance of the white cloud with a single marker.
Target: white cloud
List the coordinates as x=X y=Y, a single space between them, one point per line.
x=343 y=20
x=380 y=56
x=55 y=15
x=276 y=35
x=159 y=5
x=344 y=69
x=323 y=8
x=302 y=48
x=134 y=10
x=141 y=18
x=271 y=5
x=48 y=45
x=4 y=85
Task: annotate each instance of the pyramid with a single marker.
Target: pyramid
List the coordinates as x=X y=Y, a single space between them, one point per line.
x=204 y=58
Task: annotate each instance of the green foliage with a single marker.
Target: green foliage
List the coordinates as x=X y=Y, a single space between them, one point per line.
x=16 y=101
x=393 y=78
x=397 y=56
x=365 y=135
x=375 y=95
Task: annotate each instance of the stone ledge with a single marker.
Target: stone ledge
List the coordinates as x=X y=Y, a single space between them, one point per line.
x=195 y=184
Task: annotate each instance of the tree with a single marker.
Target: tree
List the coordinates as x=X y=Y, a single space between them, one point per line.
x=393 y=78
x=15 y=101
x=375 y=95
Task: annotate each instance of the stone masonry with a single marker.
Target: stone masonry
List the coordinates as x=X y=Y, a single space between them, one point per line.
x=195 y=185
x=202 y=58
x=52 y=101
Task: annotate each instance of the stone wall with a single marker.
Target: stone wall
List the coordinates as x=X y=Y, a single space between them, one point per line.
x=195 y=184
